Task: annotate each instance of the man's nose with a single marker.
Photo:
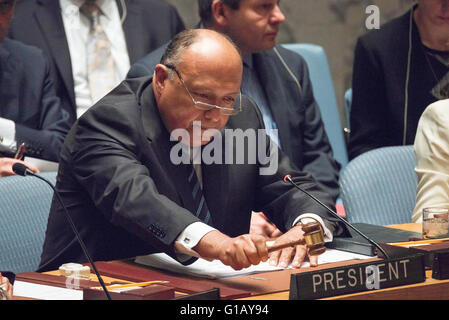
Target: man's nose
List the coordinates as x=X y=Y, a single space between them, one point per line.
x=213 y=115
x=277 y=16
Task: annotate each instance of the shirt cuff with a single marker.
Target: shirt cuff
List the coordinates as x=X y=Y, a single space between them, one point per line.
x=311 y=217
x=8 y=133
x=190 y=237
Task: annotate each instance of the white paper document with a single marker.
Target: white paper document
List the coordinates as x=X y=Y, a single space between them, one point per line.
x=44 y=292
x=217 y=270
x=42 y=165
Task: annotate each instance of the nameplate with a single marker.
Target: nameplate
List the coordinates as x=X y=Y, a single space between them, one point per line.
x=366 y=276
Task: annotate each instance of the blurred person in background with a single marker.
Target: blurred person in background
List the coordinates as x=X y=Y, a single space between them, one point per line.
x=30 y=112
x=398 y=71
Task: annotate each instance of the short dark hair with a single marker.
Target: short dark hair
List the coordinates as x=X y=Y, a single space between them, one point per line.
x=205 y=8
x=181 y=41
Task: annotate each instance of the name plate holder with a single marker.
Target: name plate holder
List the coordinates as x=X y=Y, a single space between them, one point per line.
x=399 y=270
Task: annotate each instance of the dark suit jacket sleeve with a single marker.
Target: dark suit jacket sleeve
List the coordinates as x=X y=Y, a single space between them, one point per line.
x=106 y=161
x=282 y=202
x=369 y=102
x=43 y=137
x=318 y=158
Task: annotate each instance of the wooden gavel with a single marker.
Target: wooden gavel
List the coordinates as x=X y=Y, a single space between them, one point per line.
x=313 y=239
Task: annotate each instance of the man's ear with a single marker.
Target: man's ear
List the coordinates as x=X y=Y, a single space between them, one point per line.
x=220 y=13
x=159 y=77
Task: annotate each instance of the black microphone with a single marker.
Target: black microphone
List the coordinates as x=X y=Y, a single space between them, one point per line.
x=289 y=179
x=22 y=170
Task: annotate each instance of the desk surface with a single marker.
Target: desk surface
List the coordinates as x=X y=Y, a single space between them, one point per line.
x=415 y=227
x=430 y=289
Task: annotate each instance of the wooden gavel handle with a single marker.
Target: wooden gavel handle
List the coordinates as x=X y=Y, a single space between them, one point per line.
x=277 y=247
x=314 y=249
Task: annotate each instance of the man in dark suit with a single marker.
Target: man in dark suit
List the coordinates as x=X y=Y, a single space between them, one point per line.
x=399 y=69
x=60 y=29
x=127 y=195
x=30 y=111
x=277 y=79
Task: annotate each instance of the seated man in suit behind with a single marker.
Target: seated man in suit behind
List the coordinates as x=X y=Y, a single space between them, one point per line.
x=91 y=43
x=129 y=195
x=30 y=112
x=432 y=159
x=283 y=94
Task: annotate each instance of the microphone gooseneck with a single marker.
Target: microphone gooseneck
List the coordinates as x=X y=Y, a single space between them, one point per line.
x=288 y=178
x=21 y=170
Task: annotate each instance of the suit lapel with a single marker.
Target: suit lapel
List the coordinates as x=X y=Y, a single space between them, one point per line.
x=159 y=138
x=133 y=30
x=268 y=72
x=49 y=19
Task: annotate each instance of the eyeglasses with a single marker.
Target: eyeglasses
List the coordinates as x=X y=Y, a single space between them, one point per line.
x=6 y=5
x=233 y=106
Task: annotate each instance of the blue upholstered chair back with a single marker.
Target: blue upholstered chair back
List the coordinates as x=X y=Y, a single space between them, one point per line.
x=379 y=186
x=24 y=208
x=323 y=89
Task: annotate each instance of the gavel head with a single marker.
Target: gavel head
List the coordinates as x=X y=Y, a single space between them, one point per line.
x=314 y=238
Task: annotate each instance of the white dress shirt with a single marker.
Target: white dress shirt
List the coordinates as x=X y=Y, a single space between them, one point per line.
x=432 y=156
x=76 y=27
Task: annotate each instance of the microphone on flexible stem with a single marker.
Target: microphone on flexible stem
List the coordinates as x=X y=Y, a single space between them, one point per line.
x=288 y=178
x=22 y=170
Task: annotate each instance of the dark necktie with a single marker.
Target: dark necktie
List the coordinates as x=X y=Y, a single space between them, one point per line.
x=202 y=212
